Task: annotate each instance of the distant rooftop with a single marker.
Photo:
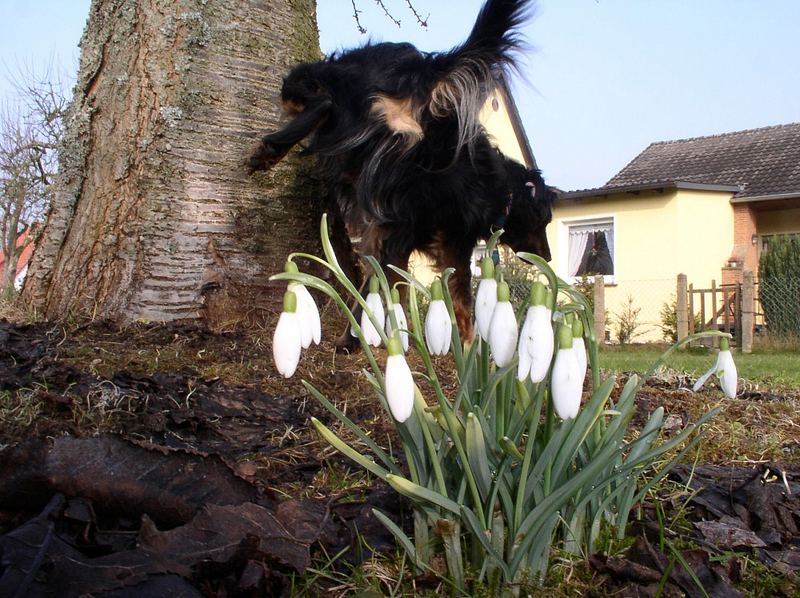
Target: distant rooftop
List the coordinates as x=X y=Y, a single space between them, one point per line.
x=752 y=164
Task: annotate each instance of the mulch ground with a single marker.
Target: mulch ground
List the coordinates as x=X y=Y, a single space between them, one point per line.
x=171 y=460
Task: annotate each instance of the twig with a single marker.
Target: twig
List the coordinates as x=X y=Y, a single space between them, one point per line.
x=422 y=22
x=387 y=13
x=356 y=12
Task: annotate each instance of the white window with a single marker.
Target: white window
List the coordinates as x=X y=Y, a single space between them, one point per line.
x=590 y=248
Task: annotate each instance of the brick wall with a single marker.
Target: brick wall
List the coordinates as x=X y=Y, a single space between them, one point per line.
x=744 y=252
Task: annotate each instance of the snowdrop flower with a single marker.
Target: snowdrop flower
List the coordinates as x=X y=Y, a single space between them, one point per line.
x=579 y=346
x=536 y=341
x=438 y=326
x=287 y=341
x=724 y=368
x=503 y=328
x=400 y=317
x=566 y=381
x=399 y=382
x=307 y=312
x=375 y=305
x=485 y=298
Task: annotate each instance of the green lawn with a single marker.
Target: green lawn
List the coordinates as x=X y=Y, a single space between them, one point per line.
x=768 y=369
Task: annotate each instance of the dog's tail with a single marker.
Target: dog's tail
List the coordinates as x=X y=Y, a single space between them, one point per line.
x=468 y=71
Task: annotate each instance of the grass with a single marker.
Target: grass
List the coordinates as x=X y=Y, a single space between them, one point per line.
x=769 y=370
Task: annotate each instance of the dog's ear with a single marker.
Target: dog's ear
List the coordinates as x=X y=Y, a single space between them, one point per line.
x=276 y=145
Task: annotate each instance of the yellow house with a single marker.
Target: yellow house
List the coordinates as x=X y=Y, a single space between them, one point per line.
x=703 y=207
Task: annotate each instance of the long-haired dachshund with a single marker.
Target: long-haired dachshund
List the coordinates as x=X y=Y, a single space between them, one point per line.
x=404 y=155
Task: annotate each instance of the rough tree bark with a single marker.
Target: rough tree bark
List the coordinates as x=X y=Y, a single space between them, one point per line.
x=155 y=217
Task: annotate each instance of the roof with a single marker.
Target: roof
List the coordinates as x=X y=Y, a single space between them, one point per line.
x=754 y=164
x=25 y=256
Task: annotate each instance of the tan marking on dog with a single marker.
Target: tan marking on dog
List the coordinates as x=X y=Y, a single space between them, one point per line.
x=400 y=115
x=293 y=108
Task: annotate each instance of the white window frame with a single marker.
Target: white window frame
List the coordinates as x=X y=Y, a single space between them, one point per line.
x=563 y=244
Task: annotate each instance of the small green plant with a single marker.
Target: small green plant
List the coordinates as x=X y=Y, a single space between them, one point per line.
x=779 y=284
x=669 y=321
x=627 y=324
x=511 y=466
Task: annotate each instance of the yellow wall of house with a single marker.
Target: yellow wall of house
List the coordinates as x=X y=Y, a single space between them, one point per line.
x=498 y=125
x=778 y=222
x=656 y=237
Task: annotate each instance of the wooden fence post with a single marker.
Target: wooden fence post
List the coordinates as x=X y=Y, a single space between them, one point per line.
x=600 y=309
x=748 y=312
x=681 y=308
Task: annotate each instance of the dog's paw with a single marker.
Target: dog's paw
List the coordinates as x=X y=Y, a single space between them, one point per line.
x=347 y=343
x=264 y=157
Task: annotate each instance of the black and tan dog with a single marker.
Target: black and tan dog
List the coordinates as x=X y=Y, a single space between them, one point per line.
x=404 y=155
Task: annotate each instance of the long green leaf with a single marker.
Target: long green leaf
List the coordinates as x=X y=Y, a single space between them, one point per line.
x=419 y=493
x=481 y=535
x=348 y=451
x=477 y=457
x=402 y=539
x=355 y=429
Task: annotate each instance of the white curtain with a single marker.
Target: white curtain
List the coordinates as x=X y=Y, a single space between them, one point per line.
x=577 y=245
x=580 y=235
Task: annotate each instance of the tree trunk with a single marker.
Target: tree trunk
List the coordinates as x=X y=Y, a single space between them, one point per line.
x=155 y=217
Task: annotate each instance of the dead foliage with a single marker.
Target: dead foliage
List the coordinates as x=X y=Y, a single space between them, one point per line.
x=171 y=460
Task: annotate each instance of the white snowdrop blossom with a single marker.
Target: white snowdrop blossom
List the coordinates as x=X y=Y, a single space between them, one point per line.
x=400 y=317
x=503 y=328
x=438 y=326
x=399 y=382
x=375 y=305
x=307 y=312
x=287 y=342
x=566 y=380
x=579 y=347
x=308 y=315
x=536 y=341
x=724 y=368
x=485 y=298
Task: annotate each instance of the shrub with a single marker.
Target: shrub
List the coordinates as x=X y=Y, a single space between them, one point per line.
x=779 y=284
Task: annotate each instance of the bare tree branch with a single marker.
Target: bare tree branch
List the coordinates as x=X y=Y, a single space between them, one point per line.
x=422 y=22
x=361 y=29
x=30 y=130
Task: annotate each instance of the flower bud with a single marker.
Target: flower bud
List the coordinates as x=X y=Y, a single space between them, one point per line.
x=438 y=326
x=566 y=380
x=400 y=316
x=287 y=341
x=399 y=381
x=503 y=328
x=375 y=305
x=485 y=298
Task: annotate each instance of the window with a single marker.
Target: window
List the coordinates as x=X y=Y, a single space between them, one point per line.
x=591 y=248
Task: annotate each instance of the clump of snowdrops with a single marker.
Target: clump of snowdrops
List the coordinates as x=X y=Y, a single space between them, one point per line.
x=520 y=459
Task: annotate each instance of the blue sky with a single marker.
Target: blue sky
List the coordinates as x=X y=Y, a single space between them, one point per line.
x=604 y=79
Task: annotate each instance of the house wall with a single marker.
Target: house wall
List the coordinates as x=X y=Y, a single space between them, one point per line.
x=498 y=125
x=657 y=235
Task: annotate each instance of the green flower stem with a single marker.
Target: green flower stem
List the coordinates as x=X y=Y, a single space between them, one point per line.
x=453 y=425
x=429 y=444
x=455 y=336
x=533 y=429
x=500 y=419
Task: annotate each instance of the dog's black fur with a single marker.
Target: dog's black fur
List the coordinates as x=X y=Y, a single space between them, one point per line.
x=404 y=155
